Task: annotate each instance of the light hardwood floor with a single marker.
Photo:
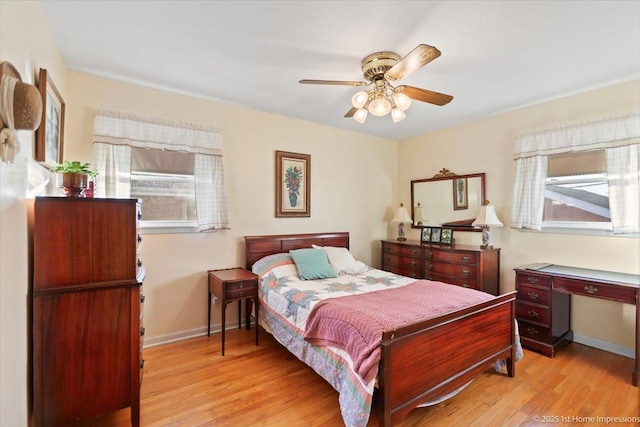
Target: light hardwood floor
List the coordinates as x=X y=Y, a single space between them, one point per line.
x=188 y=383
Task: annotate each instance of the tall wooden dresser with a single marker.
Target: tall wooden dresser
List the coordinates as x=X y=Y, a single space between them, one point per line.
x=86 y=309
x=462 y=265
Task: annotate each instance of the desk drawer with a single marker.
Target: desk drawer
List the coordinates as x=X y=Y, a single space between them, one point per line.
x=534 y=332
x=605 y=291
x=533 y=312
x=534 y=294
x=532 y=279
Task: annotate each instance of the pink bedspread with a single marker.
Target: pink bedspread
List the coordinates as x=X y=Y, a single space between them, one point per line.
x=356 y=323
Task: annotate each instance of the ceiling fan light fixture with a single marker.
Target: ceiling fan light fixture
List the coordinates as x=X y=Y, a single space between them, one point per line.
x=379 y=107
x=360 y=99
x=397 y=115
x=360 y=115
x=402 y=101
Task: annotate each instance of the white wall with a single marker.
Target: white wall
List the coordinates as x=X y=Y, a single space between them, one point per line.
x=25 y=42
x=487 y=145
x=353 y=181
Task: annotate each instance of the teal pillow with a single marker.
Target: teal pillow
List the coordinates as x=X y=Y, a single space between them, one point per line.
x=312 y=264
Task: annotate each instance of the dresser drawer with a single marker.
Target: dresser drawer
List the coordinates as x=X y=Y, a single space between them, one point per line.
x=532 y=279
x=534 y=294
x=441 y=268
x=453 y=257
x=402 y=250
x=409 y=272
x=472 y=284
x=403 y=261
x=533 y=312
x=610 y=291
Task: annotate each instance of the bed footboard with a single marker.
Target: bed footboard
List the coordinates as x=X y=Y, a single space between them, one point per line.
x=424 y=361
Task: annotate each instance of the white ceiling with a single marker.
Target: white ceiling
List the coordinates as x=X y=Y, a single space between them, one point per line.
x=496 y=55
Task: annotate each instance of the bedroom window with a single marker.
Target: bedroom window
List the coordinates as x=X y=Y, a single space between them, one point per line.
x=576 y=192
x=165 y=183
x=175 y=168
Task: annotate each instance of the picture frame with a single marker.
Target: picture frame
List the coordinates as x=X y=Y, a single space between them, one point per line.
x=50 y=133
x=460 y=194
x=446 y=236
x=293 y=184
x=436 y=234
x=425 y=235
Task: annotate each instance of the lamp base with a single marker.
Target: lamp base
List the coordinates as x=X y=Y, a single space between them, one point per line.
x=401 y=239
x=486 y=246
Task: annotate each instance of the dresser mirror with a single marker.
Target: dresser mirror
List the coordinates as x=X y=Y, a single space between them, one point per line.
x=447 y=200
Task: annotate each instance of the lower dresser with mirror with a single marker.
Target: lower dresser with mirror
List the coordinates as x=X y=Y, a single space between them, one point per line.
x=462 y=265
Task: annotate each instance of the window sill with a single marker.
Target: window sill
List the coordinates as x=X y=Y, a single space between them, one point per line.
x=601 y=229
x=167 y=227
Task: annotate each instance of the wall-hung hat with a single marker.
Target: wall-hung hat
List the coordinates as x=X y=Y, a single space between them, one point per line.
x=21 y=103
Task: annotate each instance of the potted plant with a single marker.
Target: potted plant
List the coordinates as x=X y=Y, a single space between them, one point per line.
x=73 y=177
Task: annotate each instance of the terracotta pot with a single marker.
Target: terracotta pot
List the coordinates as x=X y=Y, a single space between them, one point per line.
x=73 y=184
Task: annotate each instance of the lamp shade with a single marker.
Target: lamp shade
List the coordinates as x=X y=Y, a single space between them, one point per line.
x=402 y=215
x=417 y=214
x=487 y=217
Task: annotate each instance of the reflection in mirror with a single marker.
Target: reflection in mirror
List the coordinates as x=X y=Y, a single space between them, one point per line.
x=447 y=199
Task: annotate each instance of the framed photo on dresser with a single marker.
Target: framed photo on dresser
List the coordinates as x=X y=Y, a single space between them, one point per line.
x=425 y=236
x=437 y=236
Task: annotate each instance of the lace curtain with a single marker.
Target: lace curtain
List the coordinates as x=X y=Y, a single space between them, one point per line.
x=114 y=135
x=619 y=137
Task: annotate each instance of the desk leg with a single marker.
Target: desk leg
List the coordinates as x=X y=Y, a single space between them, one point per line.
x=636 y=371
x=257 y=313
x=209 y=317
x=224 y=311
x=248 y=316
x=239 y=314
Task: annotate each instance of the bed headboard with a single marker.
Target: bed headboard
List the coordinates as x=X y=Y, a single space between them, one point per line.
x=257 y=247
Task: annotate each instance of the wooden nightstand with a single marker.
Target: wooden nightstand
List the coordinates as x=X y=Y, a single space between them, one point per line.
x=234 y=284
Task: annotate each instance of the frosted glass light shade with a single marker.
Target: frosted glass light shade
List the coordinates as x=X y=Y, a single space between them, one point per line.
x=402 y=101
x=360 y=115
x=397 y=115
x=359 y=99
x=379 y=107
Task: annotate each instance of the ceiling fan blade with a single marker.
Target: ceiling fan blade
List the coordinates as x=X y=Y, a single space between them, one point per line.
x=425 y=95
x=351 y=112
x=333 y=82
x=418 y=57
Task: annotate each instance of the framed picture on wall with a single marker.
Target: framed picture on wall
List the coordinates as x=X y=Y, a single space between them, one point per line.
x=50 y=133
x=293 y=184
x=460 y=194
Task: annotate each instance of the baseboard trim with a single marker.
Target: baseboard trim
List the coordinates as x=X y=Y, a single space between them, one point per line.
x=190 y=333
x=604 y=345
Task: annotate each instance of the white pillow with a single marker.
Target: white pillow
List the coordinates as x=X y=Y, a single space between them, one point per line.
x=342 y=261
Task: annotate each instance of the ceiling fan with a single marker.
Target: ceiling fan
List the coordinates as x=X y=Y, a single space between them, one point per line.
x=380 y=69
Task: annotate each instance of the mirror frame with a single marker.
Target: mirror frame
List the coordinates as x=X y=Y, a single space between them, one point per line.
x=445 y=174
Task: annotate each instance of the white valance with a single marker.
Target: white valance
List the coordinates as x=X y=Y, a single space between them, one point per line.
x=595 y=135
x=117 y=128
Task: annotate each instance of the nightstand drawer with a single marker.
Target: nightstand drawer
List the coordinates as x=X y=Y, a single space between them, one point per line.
x=533 y=294
x=533 y=312
x=240 y=289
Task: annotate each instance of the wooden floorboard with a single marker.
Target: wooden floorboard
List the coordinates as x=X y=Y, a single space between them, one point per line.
x=188 y=383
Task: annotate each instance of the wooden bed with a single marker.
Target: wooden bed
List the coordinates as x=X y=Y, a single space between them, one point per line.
x=427 y=360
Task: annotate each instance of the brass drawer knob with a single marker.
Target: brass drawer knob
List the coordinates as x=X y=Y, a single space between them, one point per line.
x=533 y=314
x=532 y=279
x=532 y=331
x=590 y=289
x=466 y=258
x=466 y=273
x=533 y=295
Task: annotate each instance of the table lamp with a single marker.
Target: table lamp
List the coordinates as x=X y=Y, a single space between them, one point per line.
x=486 y=219
x=401 y=218
x=417 y=214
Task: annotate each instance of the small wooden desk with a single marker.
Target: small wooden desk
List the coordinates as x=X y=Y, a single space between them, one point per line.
x=607 y=285
x=233 y=284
